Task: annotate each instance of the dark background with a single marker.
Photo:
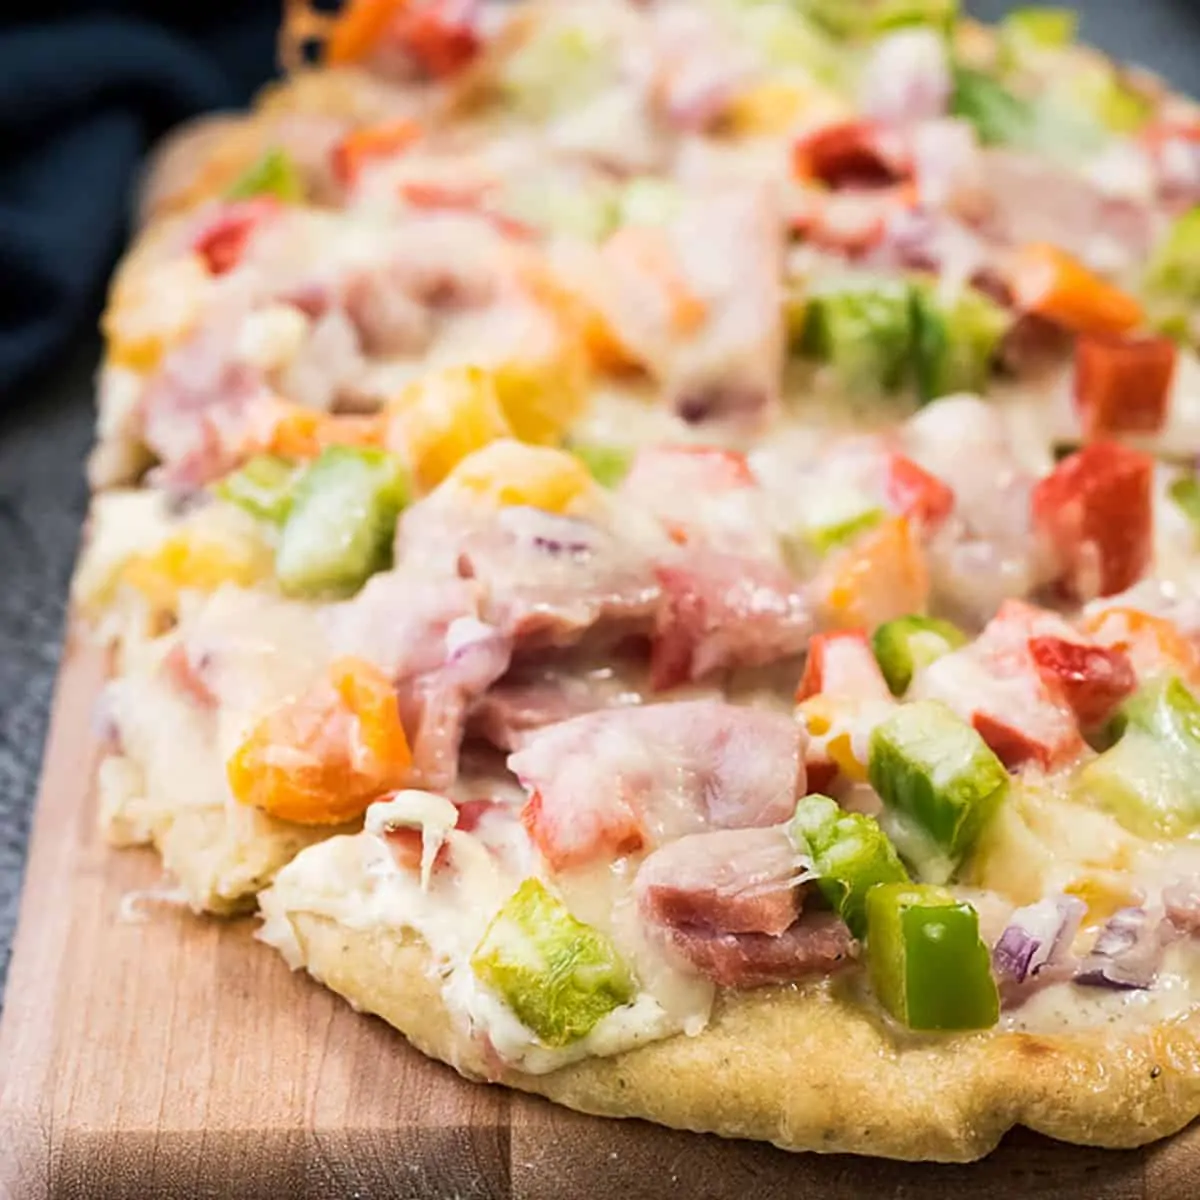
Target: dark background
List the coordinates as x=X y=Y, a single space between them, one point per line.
x=84 y=87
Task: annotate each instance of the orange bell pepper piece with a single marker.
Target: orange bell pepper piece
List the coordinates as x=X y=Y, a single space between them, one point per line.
x=294 y=432
x=1049 y=282
x=647 y=251
x=1153 y=644
x=324 y=757
x=880 y=576
x=359 y=28
x=357 y=148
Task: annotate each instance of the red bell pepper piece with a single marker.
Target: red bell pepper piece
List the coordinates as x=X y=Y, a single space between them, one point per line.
x=1092 y=679
x=222 y=242
x=1094 y=510
x=567 y=838
x=442 y=35
x=357 y=148
x=851 y=154
x=913 y=492
x=842 y=664
x=1122 y=384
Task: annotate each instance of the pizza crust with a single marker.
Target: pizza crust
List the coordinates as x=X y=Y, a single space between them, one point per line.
x=222 y=859
x=805 y=1068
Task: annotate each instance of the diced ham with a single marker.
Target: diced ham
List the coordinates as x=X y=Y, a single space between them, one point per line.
x=428 y=637
x=699 y=302
x=1123 y=384
x=548 y=580
x=907 y=77
x=721 y=611
x=843 y=665
x=818 y=944
x=626 y=779
x=727 y=880
x=1071 y=212
x=1094 y=512
x=1181 y=902
x=522 y=703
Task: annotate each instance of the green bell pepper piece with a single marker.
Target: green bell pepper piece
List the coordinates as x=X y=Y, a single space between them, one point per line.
x=1101 y=92
x=1185 y=493
x=863 y=328
x=905 y=645
x=649 y=201
x=823 y=538
x=1026 y=29
x=608 y=464
x=869 y=18
x=263 y=486
x=342 y=520
x=850 y=854
x=1175 y=264
x=1000 y=117
x=954 y=345
x=557 y=974
x=928 y=965
x=940 y=781
x=274 y=174
x=1150 y=779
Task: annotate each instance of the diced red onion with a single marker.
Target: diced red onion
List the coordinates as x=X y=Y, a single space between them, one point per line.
x=1038 y=936
x=948 y=164
x=907 y=78
x=1128 y=952
x=1181 y=903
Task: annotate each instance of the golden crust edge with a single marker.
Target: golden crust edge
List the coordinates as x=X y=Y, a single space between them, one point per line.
x=806 y=1069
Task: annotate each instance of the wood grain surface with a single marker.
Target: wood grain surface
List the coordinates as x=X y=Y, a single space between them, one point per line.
x=175 y=1057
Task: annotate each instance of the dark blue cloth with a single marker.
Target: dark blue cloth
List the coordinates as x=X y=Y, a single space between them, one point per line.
x=84 y=89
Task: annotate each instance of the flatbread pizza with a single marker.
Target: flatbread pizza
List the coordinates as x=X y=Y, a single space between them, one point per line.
x=658 y=543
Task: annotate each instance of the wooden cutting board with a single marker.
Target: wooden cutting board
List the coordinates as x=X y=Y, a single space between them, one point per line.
x=176 y=1057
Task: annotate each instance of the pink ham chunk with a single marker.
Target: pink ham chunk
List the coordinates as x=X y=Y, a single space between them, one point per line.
x=721 y=611
x=622 y=780
x=817 y=944
x=429 y=639
x=548 y=579
x=730 y=880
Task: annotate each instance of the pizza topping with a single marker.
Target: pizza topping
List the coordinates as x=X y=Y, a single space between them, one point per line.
x=720 y=611
x=817 y=944
x=363 y=146
x=441 y=36
x=907 y=77
x=929 y=967
x=1128 y=952
x=507 y=473
x=1123 y=385
x=883 y=574
x=557 y=974
x=1092 y=679
x=669 y=770
x=726 y=880
x=430 y=640
x=339 y=530
x=1094 y=512
x=1020 y=709
x=850 y=854
x=906 y=645
x=1148 y=779
x=1049 y=282
x=841 y=664
x=223 y=240
x=323 y=757
x=549 y=580
x=954 y=344
x=264 y=486
x=1036 y=943
x=853 y=154
x=274 y=174
x=939 y=781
